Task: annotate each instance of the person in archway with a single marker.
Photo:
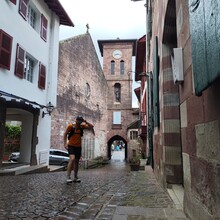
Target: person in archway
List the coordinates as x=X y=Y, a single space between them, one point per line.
x=74 y=132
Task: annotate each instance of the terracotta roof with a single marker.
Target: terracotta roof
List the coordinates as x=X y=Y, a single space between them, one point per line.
x=56 y=7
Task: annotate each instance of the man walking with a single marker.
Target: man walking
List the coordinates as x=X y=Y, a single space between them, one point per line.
x=74 y=132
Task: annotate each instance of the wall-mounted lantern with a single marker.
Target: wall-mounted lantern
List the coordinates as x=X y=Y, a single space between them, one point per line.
x=49 y=107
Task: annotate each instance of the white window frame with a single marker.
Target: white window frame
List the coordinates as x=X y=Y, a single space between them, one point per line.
x=133 y=135
x=32 y=16
x=29 y=65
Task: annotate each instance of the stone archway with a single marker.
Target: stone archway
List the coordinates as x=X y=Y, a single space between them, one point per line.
x=117 y=138
x=20 y=111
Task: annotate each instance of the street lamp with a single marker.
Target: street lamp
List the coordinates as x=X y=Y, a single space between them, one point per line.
x=49 y=107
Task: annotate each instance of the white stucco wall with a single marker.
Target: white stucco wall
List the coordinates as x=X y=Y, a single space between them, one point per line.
x=46 y=52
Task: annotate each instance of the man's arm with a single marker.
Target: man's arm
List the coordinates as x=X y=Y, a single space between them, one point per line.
x=65 y=139
x=90 y=126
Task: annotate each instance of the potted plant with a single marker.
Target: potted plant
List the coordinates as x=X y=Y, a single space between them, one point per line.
x=143 y=160
x=135 y=163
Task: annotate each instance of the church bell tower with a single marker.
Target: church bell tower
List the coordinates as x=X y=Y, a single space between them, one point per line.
x=117 y=67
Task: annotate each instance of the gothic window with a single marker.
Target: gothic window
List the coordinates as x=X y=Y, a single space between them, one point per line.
x=122 y=67
x=112 y=67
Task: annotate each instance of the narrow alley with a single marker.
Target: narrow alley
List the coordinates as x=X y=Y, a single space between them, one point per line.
x=110 y=192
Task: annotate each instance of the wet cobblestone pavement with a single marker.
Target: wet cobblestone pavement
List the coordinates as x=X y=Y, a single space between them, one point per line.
x=110 y=192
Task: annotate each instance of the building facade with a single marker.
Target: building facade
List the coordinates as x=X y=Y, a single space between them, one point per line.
x=184 y=65
x=117 y=67
x=29 y=32
x=82 y=90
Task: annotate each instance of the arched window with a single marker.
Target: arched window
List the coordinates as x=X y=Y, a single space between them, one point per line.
x=87 y=90
x=117 y=90
x=122 y=67
x=112 y=67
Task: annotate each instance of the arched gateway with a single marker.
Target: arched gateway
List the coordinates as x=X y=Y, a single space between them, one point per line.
x=117 y=67
x=117 y=141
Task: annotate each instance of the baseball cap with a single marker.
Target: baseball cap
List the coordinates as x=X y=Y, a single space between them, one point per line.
x=79 y=118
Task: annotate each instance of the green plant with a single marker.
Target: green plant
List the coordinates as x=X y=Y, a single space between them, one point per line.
x=135 y=160
x=12 y=131
x=143 y=155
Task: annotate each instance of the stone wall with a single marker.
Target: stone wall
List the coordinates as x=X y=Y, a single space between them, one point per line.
x=82 y=90
x=187 y=141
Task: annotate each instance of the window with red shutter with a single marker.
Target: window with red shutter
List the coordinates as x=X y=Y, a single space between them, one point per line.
x=13 y=1
x=19 y=63
x=43 y=32
x=5 y=49
x=23 y=8
x=42 y=76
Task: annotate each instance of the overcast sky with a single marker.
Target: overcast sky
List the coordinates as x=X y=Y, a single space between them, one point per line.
x=108 y=20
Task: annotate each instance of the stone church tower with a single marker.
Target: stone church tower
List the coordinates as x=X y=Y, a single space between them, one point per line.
x=117 y=66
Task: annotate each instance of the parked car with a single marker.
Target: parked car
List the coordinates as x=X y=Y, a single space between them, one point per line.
x=58 y=157
x=14 y=157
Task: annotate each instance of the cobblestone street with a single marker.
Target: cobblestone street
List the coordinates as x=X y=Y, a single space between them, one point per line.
x=110 y=192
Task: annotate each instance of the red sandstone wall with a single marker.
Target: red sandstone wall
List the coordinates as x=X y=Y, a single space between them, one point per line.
x=79 y=65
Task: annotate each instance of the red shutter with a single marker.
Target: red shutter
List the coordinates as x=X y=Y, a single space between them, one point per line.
x=42 y=76
x=13 y=1
x=5 y=50
x=43 y=32
x=23 y=8
x=19 y=63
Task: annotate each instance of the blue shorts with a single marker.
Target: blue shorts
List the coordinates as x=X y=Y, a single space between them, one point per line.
x=77 y=151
